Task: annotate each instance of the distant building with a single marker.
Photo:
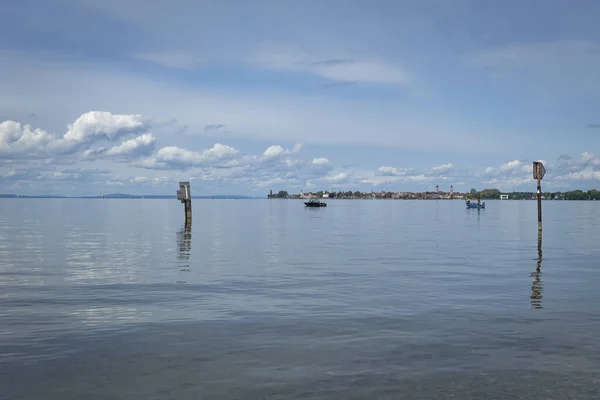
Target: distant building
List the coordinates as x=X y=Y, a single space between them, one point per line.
x=503 y=197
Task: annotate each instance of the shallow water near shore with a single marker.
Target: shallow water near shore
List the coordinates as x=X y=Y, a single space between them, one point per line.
x=272 y=299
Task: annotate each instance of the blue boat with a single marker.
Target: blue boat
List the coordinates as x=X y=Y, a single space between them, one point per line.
x=477 y=205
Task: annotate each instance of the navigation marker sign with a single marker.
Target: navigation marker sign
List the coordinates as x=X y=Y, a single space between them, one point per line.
x=538 y=170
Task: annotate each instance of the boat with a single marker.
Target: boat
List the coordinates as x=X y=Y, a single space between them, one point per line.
x=315 y=203
x=477 y=205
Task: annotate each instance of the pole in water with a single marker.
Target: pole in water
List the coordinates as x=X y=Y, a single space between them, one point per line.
x=185 y=196
x=538 y=173
x=539 y=200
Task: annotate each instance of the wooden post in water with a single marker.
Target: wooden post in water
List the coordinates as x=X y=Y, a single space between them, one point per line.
x=538 y=173
x=185 y=196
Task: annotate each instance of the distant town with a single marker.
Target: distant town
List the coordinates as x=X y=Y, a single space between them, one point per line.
x=438 y=194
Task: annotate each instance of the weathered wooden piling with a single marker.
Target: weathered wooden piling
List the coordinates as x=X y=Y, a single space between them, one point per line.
x=538 y=173
x=185 y=196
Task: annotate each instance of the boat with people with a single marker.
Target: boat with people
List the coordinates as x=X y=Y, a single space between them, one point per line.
x=478 y=204
x=315 y=203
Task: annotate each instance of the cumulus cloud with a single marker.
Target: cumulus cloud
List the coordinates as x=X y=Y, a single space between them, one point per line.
x=502 y=183
x=138 y=162
x=514 y=165
x=320 y=161
x=392 y=171
x=23 y=141
x=588 y=173
x=141 y=145
x=17 y=140
x=337 y=178
x=177 y=157
x=277 y=150
x=387 y=175
x=376 y=180
x=584 y=167
x=102 y=124
x=273 y=151
x=563 y=170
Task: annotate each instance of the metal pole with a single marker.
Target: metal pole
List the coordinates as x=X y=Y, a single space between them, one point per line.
x=539 y=202
x=185 y=196
x=188 y=211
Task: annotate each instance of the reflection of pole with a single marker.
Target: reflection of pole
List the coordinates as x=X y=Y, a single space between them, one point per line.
x=539 y=202
x=184 y=240
x=536 y=286
x=188 y=211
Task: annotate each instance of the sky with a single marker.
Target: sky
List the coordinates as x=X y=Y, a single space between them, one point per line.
x=241 y=97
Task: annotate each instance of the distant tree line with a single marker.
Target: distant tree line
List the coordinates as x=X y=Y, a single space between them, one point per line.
x=592 y=194
x=281 y=195
x=485 y=194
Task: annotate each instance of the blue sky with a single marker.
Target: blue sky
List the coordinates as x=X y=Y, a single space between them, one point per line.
x=242 y=97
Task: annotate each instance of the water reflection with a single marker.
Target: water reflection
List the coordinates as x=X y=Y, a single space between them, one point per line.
x=536 y=286
x=184 y=242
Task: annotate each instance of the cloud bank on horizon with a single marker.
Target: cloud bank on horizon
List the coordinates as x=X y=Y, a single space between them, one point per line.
x=242 y=97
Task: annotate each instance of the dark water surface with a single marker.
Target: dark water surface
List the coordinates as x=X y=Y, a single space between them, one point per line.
x=115 y=299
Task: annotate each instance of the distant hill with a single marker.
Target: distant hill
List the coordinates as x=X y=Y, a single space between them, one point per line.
x=39 y=196
x=126 y=196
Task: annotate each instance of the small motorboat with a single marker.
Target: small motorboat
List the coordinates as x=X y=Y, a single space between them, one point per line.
x=315 y=203
x=478 y=205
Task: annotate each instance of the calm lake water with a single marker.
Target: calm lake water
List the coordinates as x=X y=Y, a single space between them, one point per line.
x=268 y=299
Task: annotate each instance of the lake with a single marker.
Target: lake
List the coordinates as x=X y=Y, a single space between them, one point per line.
x=268 y=299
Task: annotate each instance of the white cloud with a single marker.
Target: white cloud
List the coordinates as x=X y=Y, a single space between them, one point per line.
x=220 y=165
x=443 y=167
x=22 y=141
x=273 y=151
x=320 y=161
x=565 y=170
x=277 y=150
x=296 y=149
x=509 y=165
x=588 y=173
x=177 y=157
x=506 y=167
x=102 y=124
x=588 y=158
x=504 y=183
x=337 y=178
x=586 y=167
x=376 y=180
x=140 y=145
x=392 y=171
